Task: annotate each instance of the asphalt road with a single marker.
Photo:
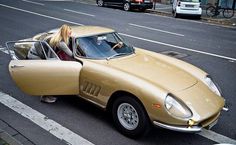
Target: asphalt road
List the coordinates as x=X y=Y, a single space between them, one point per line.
x=210 y=47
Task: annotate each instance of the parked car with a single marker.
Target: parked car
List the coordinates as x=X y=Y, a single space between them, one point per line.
x=186 y=7
x=127 y=5
x=138 y=87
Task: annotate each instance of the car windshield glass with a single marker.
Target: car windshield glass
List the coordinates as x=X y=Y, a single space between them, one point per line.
x=192 y=1
x=103 y=46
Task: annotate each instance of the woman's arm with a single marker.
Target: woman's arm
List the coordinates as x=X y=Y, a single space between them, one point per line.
x=62 y=46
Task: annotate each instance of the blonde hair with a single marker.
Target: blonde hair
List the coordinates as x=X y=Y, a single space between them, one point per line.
x=61 y=35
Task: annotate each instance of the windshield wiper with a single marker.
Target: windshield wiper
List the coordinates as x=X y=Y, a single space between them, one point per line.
x=117 y=54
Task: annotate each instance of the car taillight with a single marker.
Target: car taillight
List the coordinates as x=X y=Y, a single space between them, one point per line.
x=179 y=3
x=138 y=0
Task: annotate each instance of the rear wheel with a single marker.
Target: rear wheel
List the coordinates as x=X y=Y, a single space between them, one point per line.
x=210 y=11
x=175 y=14
x=129 y=116
x=198 y=17
x=228 y=13
x=126 y=6
x=100 y=3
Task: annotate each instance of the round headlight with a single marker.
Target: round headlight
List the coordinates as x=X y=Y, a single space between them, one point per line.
x=209 y=82
x=177 y=108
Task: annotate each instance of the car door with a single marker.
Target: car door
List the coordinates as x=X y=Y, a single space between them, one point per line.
x=45 y=76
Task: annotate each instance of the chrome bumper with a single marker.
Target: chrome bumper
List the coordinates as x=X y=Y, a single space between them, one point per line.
x=192 y=129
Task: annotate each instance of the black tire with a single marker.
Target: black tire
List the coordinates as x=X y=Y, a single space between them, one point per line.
x=175 y=15
x=126 y=6
x=228 y=13
x=210 y=11
x=198 y=17
x=100 y=3
x=129 y=117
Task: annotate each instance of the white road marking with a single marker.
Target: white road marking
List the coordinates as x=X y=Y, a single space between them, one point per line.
x=86 y=3
x=217 y=137
x=57 y=0
x=127 y=35
x=4 y=49
x=42 y=15
x=187 y=20
x=33 y=2
x=168 y=32
x=180 y=47
x=81 y=13
x=199 y=22
x=43 y=121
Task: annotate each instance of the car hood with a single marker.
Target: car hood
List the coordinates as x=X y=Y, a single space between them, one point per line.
x=155 y=71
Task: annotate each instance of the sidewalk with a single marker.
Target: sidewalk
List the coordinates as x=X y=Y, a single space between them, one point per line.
x=10 y=136
x=166 y=10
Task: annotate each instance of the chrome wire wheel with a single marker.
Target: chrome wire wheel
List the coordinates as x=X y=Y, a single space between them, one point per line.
x=100 y=3
x=126 y=6
x=128 y=116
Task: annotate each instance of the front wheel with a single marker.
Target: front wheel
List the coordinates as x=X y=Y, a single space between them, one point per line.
x=130 y=117
x=210 y=11
x=228 y=13
x=126 y=6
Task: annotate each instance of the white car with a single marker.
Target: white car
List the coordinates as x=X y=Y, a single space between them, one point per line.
x=186 y=7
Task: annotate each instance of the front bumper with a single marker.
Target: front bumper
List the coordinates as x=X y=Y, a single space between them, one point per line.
x=209 y=123
x=191 y=129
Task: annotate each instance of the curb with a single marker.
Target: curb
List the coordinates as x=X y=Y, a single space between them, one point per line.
x=10 y=136
x=7 y=139
x=222 y=22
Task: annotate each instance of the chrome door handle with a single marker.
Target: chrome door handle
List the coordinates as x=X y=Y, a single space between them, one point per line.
x=15 y=66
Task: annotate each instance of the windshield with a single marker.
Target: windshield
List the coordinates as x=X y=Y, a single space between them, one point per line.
x=103 y=46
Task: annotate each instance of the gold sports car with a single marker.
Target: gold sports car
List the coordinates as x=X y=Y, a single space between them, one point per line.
x=138 y=87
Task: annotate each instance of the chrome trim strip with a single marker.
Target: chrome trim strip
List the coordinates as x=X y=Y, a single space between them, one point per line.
x=179 y=128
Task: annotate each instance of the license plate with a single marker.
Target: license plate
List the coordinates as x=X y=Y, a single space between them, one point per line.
x=147 y=1
x=213 y=124
x=189 y=6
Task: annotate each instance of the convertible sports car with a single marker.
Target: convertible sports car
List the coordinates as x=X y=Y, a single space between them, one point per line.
x=138 y=87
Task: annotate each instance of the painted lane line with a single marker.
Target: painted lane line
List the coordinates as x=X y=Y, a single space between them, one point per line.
x=4 y=50
x=81 y=13
x=216 y=137
x=155 y=15
x=36 y=3
x=127 y=35
x=42 y=15
x=86 y=3
x=57 y=0
x=43 y=121
x=180 y=47
x=145 y=27
x=12 y=53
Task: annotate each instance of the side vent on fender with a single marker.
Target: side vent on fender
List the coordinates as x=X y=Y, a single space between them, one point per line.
x=91 y=89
